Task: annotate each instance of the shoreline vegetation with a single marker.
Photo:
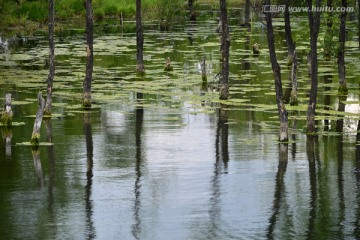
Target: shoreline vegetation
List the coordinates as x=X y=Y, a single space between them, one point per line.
x=24 y=17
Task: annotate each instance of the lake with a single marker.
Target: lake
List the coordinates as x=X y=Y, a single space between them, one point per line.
x=162 y=157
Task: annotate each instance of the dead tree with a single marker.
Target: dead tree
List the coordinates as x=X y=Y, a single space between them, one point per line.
x=7 y=114
x=283 y=115
x=225 y=46
x=89 y=56
x=289 y=41
x=140 y=68
x=50 y=78
x=35 y=137
x=341 y=53
x=314 y=24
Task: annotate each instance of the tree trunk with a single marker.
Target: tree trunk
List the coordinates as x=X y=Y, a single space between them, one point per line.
x=358 y=3
x=328 y=38
x=314 y=24
x=203 y=69
x=139 y=40
x=294 y=92
x=247 y=13
x=283 y=115
x=289 y=41
x=191 y=10
x=7 y=114
x=341 y=54
x=50 y=78
x=89 y=57
x=35 y=137
x=225 y=46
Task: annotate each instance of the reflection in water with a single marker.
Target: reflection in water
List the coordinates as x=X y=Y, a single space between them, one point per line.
x=279 y=188
x=341 y=108
x=221 y=164
x=245 y=62
x=37 y=165
x=139 y=116
x=311 y=143
x=357 y=177
x=7 y=136
x=51 y=159
x=327 y=100
x=89 y=174
x=341 y=186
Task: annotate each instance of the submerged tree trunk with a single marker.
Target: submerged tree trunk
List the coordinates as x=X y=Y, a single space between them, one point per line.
x=341 y=54
x=7 y=114
x=225 y=46
x=289 y=41
x=283 y=115
x=89 y=56
x=314 y=24
x=35 y=137
x=140 y=68
x=50 y=78
x=247 y=13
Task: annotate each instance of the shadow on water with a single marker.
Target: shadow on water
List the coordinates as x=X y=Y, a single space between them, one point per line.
x=139 y=116
x=279 y=189
x=90 y=228
x=7 y=136
x=37 y=166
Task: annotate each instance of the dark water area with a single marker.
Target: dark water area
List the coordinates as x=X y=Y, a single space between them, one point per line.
x=155 y=159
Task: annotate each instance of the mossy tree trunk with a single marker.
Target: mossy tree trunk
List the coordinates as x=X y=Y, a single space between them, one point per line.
x=35 y=137
x=289 y=41
x=225 y=46
x=89 y=56
x=140 y=68
x=7 y=114
x=283 y=115
x=50 y=79
x=341 y=53
x=314 y=24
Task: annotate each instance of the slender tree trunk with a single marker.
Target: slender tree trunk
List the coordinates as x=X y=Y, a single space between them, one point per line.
x=191 y=10
x=7 y=114
x=247 y=13
x=89 y=57
x=35 y=137
x=294 y=83
x=289 y=41
x=225 y=46
x=50 y=78
x=341 y=53
x=283 y=115
x=139 y=40
x=328 y=38
x=358 y=3
x=314 y=24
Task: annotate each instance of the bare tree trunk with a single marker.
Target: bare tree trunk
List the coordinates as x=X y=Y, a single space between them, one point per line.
x=35 y=137
x=283 y=115
x=7 y=114
x=247 y=13
x=289 y=41
x=50 y=78
x=294 y=92
x=89 y=57
x=225 y=46
x=341 y=54
x=328 y=38
x=314 y=24
x=139 y=40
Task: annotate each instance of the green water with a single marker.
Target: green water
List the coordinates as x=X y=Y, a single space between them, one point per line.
x=152 y=159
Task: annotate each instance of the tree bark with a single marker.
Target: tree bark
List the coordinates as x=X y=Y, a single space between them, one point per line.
x=7 y=114
x=289 y=41
x=314 y=24
x=294 y=83
x=89 y=57
x=341 y=54
x=225 y=46
x=247 y=13
x=35 y=137
x=139 y=40
x=50 y=78
x=283 y=115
